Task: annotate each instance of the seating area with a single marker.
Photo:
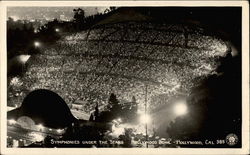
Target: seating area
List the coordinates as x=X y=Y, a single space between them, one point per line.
x=124 y=59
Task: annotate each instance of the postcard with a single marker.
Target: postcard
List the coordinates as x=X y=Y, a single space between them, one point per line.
x=103 y=77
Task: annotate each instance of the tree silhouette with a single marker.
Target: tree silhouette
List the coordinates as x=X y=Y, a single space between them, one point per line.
x=112 y=8
x=114 y=104
x=79 y=16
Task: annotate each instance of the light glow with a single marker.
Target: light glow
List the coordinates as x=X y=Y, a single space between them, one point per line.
x=119 y=120
x=145 y=118
x=11 y=121
x=40 y=126
x=15 y=18
x=37 y=44
x=15 y=82
x=24 y=58
x=36 y=137
x=59 y=130
x=180 y=108
x=117 y=130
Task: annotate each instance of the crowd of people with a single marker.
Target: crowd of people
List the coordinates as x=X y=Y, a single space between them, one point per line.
x=125 y=59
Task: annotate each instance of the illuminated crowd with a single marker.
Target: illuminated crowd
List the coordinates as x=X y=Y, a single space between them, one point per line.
x=125 y=59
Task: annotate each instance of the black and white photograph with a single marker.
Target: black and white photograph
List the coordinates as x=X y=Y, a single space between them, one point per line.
x=121 y=76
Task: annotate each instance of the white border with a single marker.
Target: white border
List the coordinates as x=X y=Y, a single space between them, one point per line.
x=245 y=80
